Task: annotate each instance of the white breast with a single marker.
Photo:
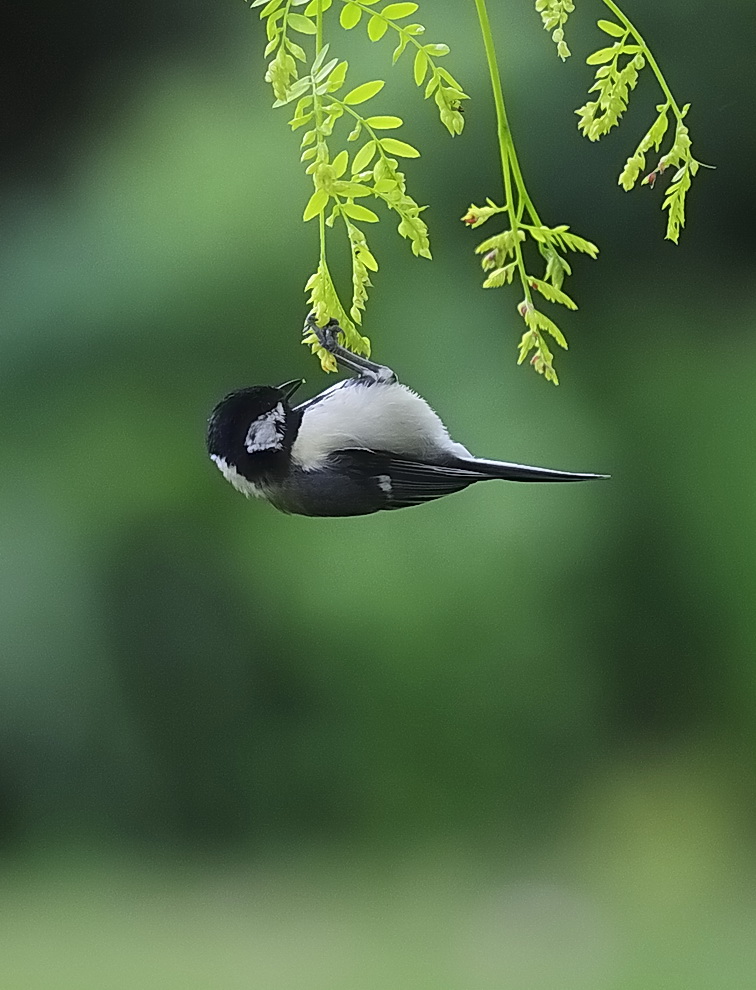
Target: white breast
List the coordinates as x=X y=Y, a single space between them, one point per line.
x=380 y=416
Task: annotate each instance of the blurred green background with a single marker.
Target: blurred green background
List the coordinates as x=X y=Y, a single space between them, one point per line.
x=506 y=740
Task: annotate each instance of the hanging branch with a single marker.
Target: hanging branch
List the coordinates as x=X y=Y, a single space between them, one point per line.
x=346 y=180
x=371 y=173
x=503 y=255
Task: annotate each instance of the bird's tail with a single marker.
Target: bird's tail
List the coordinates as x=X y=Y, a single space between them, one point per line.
x=522 y=472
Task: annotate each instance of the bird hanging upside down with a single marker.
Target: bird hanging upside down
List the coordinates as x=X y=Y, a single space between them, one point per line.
x=367 y=443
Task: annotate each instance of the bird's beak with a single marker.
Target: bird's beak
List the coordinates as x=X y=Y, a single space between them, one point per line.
x=289 y=388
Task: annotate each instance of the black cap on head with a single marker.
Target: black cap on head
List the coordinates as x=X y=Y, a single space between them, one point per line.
x=253 y=429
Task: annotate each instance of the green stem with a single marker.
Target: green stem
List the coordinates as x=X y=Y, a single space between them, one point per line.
x=285 y=24
x=322 y=233
x=318 y=31
x=509 y=164
x=319 y=120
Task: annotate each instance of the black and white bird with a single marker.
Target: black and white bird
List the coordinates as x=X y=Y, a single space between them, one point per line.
x=367 y=443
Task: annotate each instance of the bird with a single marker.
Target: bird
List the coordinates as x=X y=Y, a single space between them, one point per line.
x=365 y=444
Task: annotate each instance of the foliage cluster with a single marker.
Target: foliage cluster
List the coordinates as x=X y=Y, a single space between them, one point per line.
x=346 y=179
x=343 y=180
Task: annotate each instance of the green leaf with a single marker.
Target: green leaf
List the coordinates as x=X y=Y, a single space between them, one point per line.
x=396 y=11
x=544 y=323
x=296 y=50
x=298 y=89
x=575 y=243
x=315 y=205
x=551 y=293
x=302 y=24
x=270 y=8
x=296 y=122
x=324 y=71
x=312 y=8
x=351 y=189
x=556 y=266
x=385 y=185
x=437 y=50
x=420 y=67
x=336 y=78
x=384 y=123
x=401 y=148
x=339 y=164
x=363 y=157
x=350 y=16
x=376 y=28
x=368 y=260
x=403 y=42
x=364 y=92
x=333 y=111
x=675 y=200
x=615 y=30
x=448 y=77
x=357 y=212
x=501 y=276
x=604 y=55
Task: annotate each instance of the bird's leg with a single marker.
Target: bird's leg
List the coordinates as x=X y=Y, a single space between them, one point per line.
x=328 y=336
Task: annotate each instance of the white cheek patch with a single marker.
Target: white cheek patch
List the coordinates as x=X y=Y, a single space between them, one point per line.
x=266 y=432
x=239 y=482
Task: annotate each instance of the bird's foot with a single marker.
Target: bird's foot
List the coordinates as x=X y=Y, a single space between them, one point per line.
x=328 y=334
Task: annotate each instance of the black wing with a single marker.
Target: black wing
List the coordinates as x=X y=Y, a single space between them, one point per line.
x=396 y=483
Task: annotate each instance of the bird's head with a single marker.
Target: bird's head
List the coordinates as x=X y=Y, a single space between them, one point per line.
x=251 y=431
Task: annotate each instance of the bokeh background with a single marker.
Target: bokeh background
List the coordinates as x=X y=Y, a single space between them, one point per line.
x=506 y=740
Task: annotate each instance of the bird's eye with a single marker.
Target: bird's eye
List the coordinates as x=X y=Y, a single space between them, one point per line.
x=267 y=431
